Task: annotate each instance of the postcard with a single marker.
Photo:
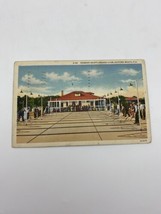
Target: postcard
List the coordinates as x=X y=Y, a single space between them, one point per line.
x=87 y=102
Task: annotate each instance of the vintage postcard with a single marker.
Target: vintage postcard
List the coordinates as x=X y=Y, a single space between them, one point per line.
x=69 y=103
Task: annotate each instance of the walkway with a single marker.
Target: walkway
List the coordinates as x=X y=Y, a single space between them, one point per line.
x=79 y=126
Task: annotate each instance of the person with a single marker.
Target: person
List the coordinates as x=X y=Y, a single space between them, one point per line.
x=36 y=112
x=28 y=111
x=142 y=111
x=123 y=110
x=118 y=109
x=46 y=111
x=22 y=114
x=25 y=114
x=136 y=114
x=132 y=110
x=126 y=110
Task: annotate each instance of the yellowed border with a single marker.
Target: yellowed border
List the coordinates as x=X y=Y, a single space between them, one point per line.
x=79 y=62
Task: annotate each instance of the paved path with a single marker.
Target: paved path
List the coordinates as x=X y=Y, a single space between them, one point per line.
x=79 y=126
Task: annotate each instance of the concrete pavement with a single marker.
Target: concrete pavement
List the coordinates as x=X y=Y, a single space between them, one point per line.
x=79 y=126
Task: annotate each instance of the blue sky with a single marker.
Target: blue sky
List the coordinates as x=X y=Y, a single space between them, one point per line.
x=100 y=79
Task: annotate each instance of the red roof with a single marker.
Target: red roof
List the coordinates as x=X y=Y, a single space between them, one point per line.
x=131 y=98
x=77 y=95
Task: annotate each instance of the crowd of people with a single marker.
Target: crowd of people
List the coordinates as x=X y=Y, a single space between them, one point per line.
x=26 y=113
x=130 y=110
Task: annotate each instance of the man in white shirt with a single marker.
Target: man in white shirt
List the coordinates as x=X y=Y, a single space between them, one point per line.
x=136 y=114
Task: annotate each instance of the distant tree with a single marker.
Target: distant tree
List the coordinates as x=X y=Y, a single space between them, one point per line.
x=20 y=103
x=33 y=101
x=142 y=100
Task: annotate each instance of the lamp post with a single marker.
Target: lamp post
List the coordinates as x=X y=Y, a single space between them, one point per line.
x=27 y=111
x=99 y=103
x=111 y=105
x=118 y=96
x=21 y=102
x=41 y=98
x=21 y=92
x=104 y=104
x=56 y=106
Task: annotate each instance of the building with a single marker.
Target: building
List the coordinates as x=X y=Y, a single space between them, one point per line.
x=77 y=101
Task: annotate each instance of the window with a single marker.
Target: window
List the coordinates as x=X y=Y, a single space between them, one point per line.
x=77 y=95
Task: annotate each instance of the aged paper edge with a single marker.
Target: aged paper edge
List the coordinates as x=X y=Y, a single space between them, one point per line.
x=78 y=143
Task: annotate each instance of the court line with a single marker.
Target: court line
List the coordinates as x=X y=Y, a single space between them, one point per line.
x=48 y=128
x=67 y=133
x=58 y=127
x=95 y=126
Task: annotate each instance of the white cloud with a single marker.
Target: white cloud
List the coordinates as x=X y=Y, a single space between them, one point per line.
x=127 y=81
x=101 y=91
x=129 y=72
x=92 y=73
x=34 y=90
x=64 y=77
x=32 y=80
